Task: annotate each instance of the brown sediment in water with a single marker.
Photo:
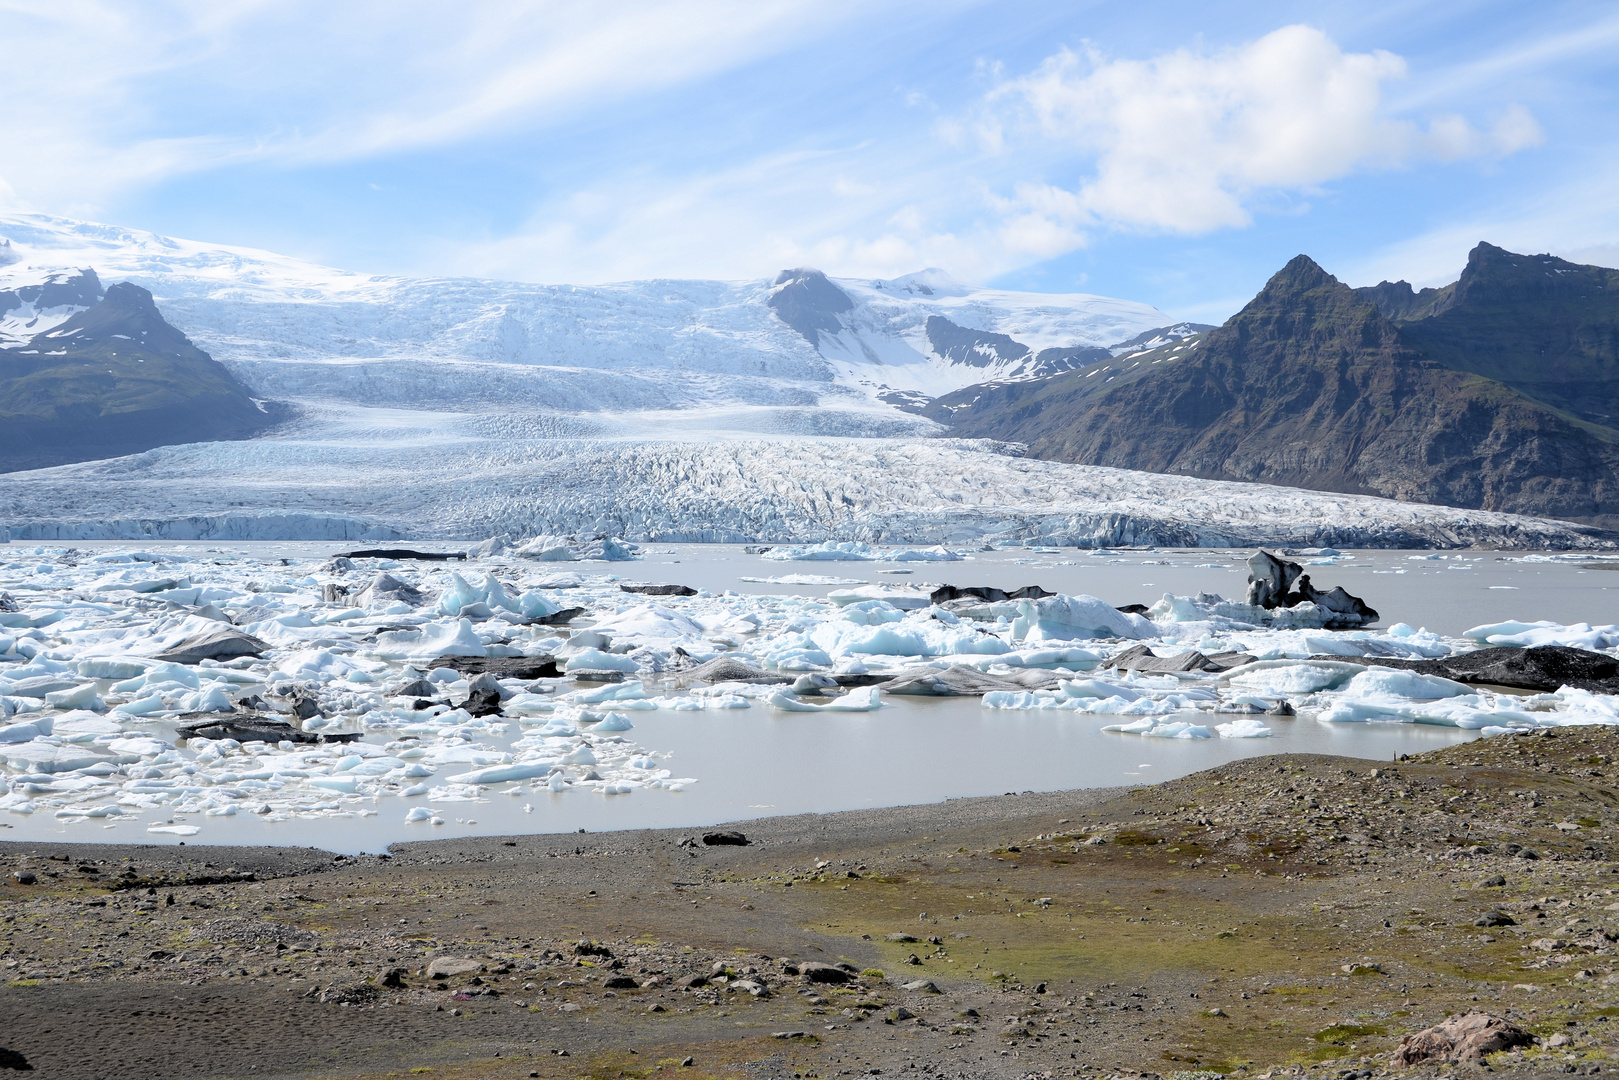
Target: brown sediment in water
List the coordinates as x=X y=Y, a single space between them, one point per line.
x=1291 y=912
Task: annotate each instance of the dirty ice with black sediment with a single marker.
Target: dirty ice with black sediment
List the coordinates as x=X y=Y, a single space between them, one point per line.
x=179 y=685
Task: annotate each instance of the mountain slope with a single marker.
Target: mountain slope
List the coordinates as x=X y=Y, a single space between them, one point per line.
x=114 y=379
x=1539 y=324
x=1310 y=385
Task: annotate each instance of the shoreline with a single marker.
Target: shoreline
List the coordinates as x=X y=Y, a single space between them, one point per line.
x=1283 y=915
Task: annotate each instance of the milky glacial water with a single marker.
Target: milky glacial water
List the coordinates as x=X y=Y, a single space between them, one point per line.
x=758 y=762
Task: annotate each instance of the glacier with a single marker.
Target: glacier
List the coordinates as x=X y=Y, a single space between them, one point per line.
x=663 y=410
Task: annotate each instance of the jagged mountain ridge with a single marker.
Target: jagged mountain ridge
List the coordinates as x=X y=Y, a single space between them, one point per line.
x=1312 y=386
x=1541 y=325
x=110 y=379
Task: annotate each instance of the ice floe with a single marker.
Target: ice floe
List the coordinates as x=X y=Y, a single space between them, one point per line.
x=398 y=688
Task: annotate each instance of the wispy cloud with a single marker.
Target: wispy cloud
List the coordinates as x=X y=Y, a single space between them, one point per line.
x=120 y=95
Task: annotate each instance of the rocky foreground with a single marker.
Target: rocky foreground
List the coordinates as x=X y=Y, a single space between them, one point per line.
x=1276 y=916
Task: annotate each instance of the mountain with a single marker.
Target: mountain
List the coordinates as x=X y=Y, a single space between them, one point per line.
x=776 y=409
x=108 y=377
x=1539 y=324
x=1312 y=385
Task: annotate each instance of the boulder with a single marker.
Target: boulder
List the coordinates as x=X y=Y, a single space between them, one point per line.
x=446 y=967
x=725 y=838
x=1465 y=1038
x=816 y=972
x=218 y=643
x=621 y=982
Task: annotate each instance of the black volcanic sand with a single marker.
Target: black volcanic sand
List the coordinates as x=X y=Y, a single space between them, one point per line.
x=1293 y=914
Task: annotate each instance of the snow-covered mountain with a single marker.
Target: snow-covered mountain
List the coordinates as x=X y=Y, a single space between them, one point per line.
x=293 y=329
x=756 y=410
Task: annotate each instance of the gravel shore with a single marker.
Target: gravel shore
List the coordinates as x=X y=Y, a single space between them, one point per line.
x=1280 y=915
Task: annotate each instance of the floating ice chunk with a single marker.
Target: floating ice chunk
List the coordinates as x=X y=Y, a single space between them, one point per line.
x=528 y=704
x=44 y=757
x=536 y=605
x=1243 y=729
x=418 y=813
x=802 y=579
x=1066 y=618
x=1174 y=729
x=500 y=774
x=903 y=598
x=613 y=721
x=83 y=696
x=830 y=551
x=936 y=554
x=174 y=830
x=433 y=639
x=26 y=732
x=546 y=549
x=1525 y=635
x=1377 y=681
x=145 y=706
x=596 y=660
x=1276 y=678
x=624 y=691
x=860 y=699
x=113 y=667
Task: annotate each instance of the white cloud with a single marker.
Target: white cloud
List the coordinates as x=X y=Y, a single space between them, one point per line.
x=102 y=97
x=1188 y=141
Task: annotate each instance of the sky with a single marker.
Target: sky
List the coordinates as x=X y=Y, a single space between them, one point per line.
x=1171 y=153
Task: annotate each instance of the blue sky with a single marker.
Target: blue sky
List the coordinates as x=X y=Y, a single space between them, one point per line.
x=1173 y=153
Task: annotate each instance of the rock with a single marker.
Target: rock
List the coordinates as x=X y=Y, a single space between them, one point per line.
x=393 y=978
x=921 y=986
x=503 y=667
x=1495 y=881
x=219 y=643
x=387 y=589
x=445 y=967
x=621 y=982
x=815 y=972
x=691 y=982
x=1495 y=918
x=725 y=838
x=752 y=986
x=403 y=555
x=946 y=593
x=592 y=948
x=419 y=688
x=24 y=877
x=901 y=1013
x=901 y=937
x=1465 y=1038
x=646 y=589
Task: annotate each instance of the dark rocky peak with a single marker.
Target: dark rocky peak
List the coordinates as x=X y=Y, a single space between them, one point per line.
x=1158 y=337
x=808 y=302
x=975 y=348
x=125 y=310
x=56 y=288
x=1494 y=274
x=1397 y=300
x=1302 y=308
